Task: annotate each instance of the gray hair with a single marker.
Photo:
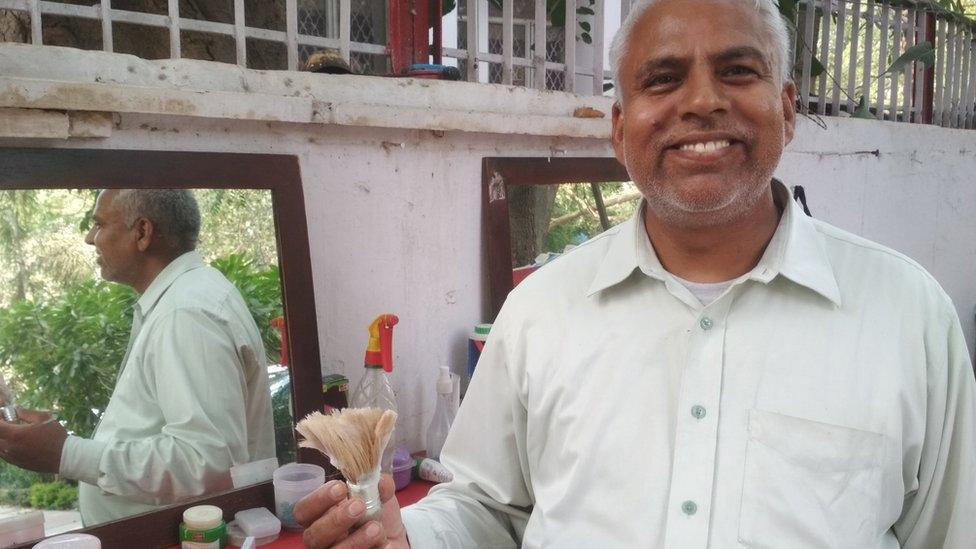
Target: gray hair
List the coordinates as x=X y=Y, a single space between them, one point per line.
x=773 y=25
x=173 y=212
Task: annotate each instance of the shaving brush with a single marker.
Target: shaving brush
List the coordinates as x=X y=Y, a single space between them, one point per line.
x=353 y=439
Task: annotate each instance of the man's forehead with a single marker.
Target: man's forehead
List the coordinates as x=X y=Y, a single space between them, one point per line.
x=678 y=28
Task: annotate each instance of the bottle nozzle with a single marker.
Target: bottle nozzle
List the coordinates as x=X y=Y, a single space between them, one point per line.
x=379 y=351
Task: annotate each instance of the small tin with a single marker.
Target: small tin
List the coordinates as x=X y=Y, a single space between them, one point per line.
x=203 y=527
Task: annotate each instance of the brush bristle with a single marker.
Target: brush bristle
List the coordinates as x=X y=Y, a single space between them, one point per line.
x=352 y=438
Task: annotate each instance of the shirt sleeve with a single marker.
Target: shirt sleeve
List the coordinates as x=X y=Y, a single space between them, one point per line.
x=191 y=367
x=487 y=504
x=939 y=513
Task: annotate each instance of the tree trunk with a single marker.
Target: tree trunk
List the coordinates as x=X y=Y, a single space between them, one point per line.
x=529 y=209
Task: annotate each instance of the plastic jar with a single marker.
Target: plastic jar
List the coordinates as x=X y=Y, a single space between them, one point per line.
x=292 y=482
x=203 y=527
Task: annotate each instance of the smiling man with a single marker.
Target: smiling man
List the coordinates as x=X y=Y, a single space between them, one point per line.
x=192 y=397
x=720 y=371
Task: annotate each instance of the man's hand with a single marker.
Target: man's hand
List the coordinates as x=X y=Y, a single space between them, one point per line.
x=329 y=519
x=34 y=444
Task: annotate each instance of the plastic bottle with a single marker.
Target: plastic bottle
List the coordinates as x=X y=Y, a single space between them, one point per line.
x=431 y=470
x=443 y=414
x=374 y=389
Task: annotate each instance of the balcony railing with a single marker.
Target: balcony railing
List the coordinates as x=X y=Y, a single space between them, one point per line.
x=843 y=47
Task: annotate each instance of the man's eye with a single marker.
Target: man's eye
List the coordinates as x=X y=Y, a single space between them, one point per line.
x=661 y=80
x=739 y=70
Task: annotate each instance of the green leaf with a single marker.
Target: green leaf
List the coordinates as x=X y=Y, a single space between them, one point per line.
x=585 y=26
x=787 y=8
x=816 y=67
x=862 y=110
x=923 y=53
x=586 y=38
x=585 y=11
x=607 y=86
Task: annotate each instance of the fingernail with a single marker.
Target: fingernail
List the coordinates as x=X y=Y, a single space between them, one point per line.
x=338 y=489
x=355 y=508
x=372 y=530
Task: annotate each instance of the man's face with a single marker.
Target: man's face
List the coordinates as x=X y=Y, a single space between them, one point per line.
x=115 y=243
x=702 y=121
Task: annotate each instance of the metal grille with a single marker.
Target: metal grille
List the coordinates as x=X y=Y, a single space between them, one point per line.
x=555 y=51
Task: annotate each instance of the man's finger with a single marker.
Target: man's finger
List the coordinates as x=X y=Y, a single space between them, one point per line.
x=367 y=536
x=33 y=416
x=334 y=525
x=387 y=488
x=315 y=504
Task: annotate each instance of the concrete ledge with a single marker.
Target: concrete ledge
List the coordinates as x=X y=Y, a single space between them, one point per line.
x=55 y=78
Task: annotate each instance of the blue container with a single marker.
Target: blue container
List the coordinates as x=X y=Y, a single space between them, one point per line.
x=476 y=342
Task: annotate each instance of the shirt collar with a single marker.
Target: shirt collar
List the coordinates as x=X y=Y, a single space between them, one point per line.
x=186 y=262
x=796 y=251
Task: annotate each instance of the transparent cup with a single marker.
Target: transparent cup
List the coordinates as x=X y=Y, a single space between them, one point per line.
x=292 y=482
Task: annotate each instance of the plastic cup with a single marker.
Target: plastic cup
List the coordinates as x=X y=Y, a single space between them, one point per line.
x=292 y=482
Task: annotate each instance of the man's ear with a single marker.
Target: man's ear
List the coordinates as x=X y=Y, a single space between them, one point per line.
x=617 y=133
x=789 y=112
x=145 y=232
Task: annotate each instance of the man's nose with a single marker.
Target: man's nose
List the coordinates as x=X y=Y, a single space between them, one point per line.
x=90 y=237
x=704 y=95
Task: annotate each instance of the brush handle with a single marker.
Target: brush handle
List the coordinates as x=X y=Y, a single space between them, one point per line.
x=367 y=488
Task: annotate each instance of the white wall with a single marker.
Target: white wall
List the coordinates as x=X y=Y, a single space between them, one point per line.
x=394 y=214
x=916 y=195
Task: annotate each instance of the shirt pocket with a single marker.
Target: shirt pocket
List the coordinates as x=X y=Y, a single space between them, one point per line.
x=808 y=484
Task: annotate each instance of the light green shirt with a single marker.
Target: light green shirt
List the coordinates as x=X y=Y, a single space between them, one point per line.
x=825 y=399
x=191 y=400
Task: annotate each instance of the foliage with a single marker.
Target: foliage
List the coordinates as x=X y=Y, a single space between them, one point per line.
x=577 y=199
x=261 y=289
x=64 y=352
x=53 y=495
x=285 y=447
x=12 y=477
x=16 y=497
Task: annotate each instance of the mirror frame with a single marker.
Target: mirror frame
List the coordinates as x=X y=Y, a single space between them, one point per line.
x=497 y=174
x=56 y=168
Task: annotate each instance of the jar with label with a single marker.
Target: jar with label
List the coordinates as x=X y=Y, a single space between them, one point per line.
x=203 y=527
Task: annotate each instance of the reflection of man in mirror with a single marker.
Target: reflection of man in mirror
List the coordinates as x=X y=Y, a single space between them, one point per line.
x=719 y=371
x=192 y=395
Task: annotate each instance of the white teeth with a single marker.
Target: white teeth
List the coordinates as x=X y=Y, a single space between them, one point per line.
x=710 y=146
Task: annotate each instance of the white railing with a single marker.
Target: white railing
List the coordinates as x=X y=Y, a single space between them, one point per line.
x=856 y=42
x=843 y=46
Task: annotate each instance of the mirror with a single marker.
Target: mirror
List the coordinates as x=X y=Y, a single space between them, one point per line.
x=538 y=206
x=74 y=326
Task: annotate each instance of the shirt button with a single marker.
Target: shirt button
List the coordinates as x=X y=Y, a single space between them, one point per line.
x=698 y=411
x=706 y=323
x=689 y=508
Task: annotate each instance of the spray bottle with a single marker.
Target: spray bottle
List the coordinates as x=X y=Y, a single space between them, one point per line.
x=443 y=414
x=374 y=389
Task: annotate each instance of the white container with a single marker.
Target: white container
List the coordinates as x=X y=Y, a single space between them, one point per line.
x=70 y=541
x=21 y=528
x=258 y=522
x=292 y=482
x=254 y=472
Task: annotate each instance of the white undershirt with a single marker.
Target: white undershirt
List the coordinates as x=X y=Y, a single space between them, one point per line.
x=706 y=292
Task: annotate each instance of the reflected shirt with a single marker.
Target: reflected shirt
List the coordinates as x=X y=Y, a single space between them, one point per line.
x=825 y=399
x=191 y=400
